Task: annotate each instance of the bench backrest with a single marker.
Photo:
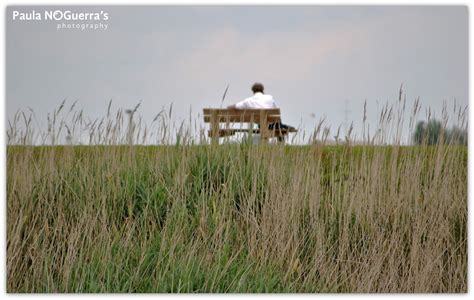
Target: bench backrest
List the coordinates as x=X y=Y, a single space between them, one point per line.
x=224 y=115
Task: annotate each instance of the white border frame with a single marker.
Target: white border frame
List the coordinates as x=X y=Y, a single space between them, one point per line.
x=213 y=2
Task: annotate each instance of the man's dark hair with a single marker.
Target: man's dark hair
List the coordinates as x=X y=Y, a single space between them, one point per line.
x=257 y=87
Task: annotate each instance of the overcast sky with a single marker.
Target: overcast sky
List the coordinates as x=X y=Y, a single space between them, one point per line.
x=310 y=58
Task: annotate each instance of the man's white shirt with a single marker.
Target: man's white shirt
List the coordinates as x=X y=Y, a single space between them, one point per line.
x=258 y=100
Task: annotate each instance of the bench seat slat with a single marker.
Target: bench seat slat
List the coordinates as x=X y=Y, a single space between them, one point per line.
x=229 y=132
x=241 y=118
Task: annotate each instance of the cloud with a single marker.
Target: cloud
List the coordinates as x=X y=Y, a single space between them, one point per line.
x=273 y=56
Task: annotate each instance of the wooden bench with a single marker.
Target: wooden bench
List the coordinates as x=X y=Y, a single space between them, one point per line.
x=263 y=117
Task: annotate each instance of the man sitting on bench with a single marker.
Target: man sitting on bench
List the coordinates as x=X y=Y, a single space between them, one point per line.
x=260 y=100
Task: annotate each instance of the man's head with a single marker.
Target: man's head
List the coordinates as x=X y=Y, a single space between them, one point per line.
x=257 y=88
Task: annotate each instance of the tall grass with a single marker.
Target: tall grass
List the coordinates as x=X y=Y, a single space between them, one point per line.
x=192 y=217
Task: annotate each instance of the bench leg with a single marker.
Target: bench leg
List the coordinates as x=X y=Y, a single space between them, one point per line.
x=214 y=129
x=264 y=131
x=281 y=139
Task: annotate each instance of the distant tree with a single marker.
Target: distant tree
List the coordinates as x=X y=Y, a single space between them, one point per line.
x=456 y=136
x=432 y=133
x=419 y=133
x=427 y=132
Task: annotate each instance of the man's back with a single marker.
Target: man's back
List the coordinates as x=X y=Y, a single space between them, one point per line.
x=258 y=100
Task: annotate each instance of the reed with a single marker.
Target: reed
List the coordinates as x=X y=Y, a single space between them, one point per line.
x=184 y=216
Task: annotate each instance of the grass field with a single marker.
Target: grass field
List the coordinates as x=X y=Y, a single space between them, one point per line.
x=237 y=218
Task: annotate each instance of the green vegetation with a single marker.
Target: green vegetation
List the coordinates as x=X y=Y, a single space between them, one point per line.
x=433 y=132
x=186 y=216
x=237 y=218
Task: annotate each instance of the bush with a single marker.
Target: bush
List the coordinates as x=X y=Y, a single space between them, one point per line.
x=433 y=132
